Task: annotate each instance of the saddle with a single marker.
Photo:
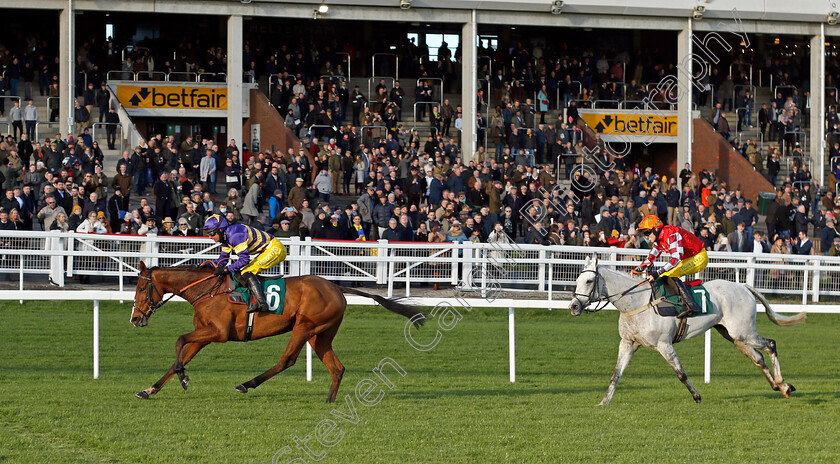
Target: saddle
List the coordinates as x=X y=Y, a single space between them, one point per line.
x=274 y=289
x=670 y=303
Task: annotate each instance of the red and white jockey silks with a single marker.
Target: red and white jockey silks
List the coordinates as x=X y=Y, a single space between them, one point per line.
x=679 y=243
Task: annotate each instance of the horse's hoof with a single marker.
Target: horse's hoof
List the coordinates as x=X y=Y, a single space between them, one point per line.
x=791 y=389
x=241 y=388
x=142 y=395
x=697 y=399
x=185 y=382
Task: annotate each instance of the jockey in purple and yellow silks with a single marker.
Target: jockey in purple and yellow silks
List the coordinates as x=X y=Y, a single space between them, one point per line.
x=255 y=251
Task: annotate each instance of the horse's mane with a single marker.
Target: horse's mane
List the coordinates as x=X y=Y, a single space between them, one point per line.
x=196 y=267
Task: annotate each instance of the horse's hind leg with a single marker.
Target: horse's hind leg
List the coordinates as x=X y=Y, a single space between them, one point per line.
x=758 y=360
x=625 y=351
x=769 y=346
x=322 y=343
x=300 y=334
x=670 y=354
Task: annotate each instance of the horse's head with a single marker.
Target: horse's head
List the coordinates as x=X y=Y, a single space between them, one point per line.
x=587 y=286
x=144 y=304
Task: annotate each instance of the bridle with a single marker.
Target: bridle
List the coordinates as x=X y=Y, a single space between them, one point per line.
x=148 y=300
x=150 y=303
x=605 y=299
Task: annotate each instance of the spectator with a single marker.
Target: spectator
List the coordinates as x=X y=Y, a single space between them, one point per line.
x=60 y=223
x=802 y=246
x=91 y=225
x=148 y=228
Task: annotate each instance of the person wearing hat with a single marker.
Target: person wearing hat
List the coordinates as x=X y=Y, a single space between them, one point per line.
x=276 y=203
x=285 y=229
x=687 y=256
x=297 y=194
x=148 y=227
x=183 y=229
x=168 y=227
x=255 y=249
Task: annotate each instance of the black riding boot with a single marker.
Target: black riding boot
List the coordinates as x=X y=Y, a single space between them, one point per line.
x=689 y=306
x=254 y=286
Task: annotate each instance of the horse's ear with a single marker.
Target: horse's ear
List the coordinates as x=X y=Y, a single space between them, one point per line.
x=587 y=261
x=595 y=259
x=142 y=267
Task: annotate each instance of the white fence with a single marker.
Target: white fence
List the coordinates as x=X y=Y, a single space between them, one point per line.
x=482 y=267
x=480 y=271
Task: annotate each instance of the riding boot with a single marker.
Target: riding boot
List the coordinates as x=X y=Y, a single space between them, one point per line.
x=689 y=306
x=254 y=286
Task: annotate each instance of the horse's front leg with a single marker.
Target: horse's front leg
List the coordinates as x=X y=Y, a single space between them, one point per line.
x=625 y=351
x=186 y=347
x=670 y=354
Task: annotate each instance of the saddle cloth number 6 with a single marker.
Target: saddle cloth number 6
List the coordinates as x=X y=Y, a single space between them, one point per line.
x=272 y=296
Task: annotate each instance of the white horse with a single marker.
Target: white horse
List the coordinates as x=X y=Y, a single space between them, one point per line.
x=733 y=316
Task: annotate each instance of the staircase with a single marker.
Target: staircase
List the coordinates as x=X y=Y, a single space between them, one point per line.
x=711 y=152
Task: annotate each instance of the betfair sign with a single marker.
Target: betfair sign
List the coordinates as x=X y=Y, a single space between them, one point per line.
x=176 y=98
x=631 y=123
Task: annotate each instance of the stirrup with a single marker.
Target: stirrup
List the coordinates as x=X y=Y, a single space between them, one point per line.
x=257 y=307
x=688 y=311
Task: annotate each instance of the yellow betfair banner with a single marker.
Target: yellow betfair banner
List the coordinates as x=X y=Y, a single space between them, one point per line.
x=158 y=97
x=632 y=123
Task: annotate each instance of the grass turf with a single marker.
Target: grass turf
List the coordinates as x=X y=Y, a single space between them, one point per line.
x=455 y=403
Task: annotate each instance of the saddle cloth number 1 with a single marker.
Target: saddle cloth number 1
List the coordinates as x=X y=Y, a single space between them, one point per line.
x=703 y=299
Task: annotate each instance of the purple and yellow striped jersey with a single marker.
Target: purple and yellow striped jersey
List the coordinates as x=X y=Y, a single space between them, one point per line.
x=245 y=242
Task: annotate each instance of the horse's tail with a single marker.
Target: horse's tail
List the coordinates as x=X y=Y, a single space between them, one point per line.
x=395 y=305
x=776 y=318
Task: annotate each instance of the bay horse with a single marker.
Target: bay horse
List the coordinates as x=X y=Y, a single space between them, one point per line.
x=733 y=316
x=313 y=311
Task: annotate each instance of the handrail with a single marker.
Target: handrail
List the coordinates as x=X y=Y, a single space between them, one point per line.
x=588 y=103
x=349 y=75
x=14 y=97
x=131 y=49
x=151 y=75
x=776 y=91
x=638 y=104
x=370 y=96
x=441 y=85
x=422 y=103
x=623 y=88
x=311 y=129
x=38 y=125
x=805 y=159
x=201 y=76
x=431 y=129
x=596 y=102
x=744 y=86
x=339 y=77
x=743 y=64
x=122 y=74
x=373 y=64
x=368 y=129
x=191 y=76
x=119 y=126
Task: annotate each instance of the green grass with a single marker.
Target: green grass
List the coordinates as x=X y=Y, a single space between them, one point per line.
x=454 y=405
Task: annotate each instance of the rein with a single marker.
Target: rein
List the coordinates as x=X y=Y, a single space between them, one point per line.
x=153 y=306
x=606 y=298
